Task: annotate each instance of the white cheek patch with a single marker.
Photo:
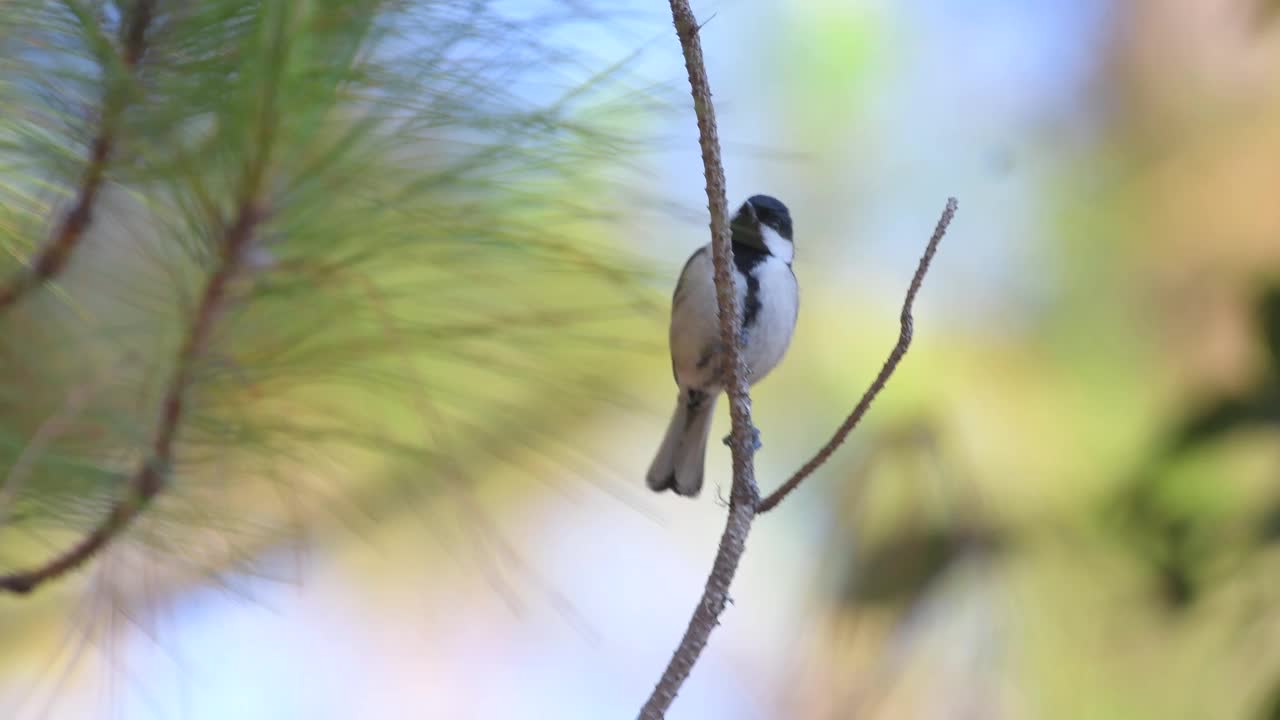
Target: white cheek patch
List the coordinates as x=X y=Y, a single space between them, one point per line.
x=779 y=246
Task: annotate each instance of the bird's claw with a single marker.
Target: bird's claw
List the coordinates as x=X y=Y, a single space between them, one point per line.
x=755 y=439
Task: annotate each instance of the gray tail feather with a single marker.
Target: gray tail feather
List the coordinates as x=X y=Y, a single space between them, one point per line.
x=679 y=463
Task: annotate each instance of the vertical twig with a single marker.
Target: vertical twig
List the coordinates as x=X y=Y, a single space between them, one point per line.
x=52 y=256
x=744 y=495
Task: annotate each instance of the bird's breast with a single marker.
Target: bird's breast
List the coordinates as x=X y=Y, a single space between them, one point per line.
x=769 y=335
x=767 y=300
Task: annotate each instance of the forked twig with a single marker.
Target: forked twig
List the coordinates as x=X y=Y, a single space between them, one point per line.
x=890 y=365
x=745 y=499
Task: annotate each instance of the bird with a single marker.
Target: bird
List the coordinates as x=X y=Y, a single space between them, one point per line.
x=768 y=301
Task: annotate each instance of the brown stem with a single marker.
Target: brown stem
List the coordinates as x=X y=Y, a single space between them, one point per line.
x=891 y=364
x=149 y=479
x=52 y=257
x=715 y=594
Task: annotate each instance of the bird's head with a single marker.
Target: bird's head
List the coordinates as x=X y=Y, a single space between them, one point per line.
x=764 y=223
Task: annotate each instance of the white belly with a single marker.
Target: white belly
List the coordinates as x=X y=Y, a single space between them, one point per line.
x=695 y=325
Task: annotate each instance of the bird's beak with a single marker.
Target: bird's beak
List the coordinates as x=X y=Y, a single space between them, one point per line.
x=746 y=227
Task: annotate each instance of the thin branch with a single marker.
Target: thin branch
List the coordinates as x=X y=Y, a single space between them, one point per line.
x=745 y=494
x=150 y=478
x=52 y=257
x=890 y=365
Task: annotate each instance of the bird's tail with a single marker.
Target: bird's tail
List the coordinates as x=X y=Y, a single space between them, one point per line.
x=678 y=465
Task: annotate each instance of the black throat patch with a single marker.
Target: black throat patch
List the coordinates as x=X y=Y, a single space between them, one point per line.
x=746 y=258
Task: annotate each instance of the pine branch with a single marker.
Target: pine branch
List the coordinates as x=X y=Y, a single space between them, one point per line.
x=150 y=478
x=399 y=160
x=52 y=257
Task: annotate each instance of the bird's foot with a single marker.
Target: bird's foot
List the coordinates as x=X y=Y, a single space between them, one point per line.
x=755 y=439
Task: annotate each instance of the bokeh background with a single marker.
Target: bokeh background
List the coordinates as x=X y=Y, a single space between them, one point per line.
x=411 y=486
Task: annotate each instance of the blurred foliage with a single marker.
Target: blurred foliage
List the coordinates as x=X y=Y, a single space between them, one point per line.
x=1171 y=515
x=908 y=515
x=841 y=47
x=434 y=258
x=1271 y=708
x=1257 y=407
